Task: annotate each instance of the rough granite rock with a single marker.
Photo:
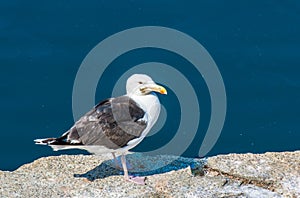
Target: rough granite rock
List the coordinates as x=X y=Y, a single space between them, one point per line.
x=233 y=175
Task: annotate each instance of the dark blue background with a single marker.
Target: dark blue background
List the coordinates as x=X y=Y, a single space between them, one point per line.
x=256 y=45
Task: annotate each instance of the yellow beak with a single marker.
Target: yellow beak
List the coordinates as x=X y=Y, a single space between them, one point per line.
x=159 y=89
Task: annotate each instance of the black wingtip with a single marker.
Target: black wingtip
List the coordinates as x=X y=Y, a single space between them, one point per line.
x=45 y=141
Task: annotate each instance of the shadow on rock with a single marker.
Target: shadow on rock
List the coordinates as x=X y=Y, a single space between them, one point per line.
x=143 y=165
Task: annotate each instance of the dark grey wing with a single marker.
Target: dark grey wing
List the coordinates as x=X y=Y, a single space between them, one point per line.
x=112 y=123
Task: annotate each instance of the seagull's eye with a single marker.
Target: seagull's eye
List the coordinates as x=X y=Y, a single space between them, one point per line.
x=140 y=82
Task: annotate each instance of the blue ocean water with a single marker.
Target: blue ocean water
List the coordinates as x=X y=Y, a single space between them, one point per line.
x=255 y=44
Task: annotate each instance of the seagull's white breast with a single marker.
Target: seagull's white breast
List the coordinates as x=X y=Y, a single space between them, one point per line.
x=151 y=105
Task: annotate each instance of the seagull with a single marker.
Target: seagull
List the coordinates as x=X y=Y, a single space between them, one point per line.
x=115 y=125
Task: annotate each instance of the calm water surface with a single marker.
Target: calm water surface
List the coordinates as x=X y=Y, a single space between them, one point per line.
x=255 y=44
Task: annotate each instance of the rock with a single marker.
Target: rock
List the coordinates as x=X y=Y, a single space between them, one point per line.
x=278 y=172
x=233 y=175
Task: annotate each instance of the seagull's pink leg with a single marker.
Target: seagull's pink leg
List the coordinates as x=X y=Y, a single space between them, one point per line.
x=117 y=164
x=137 y=180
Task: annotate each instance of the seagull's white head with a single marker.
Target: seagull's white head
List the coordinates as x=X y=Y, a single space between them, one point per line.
x=141 y=84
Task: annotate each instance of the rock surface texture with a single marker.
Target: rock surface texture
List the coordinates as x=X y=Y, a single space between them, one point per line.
x=233 y=175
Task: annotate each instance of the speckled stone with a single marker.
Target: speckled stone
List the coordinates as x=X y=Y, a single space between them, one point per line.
x=167 y=176
x=279 y=171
